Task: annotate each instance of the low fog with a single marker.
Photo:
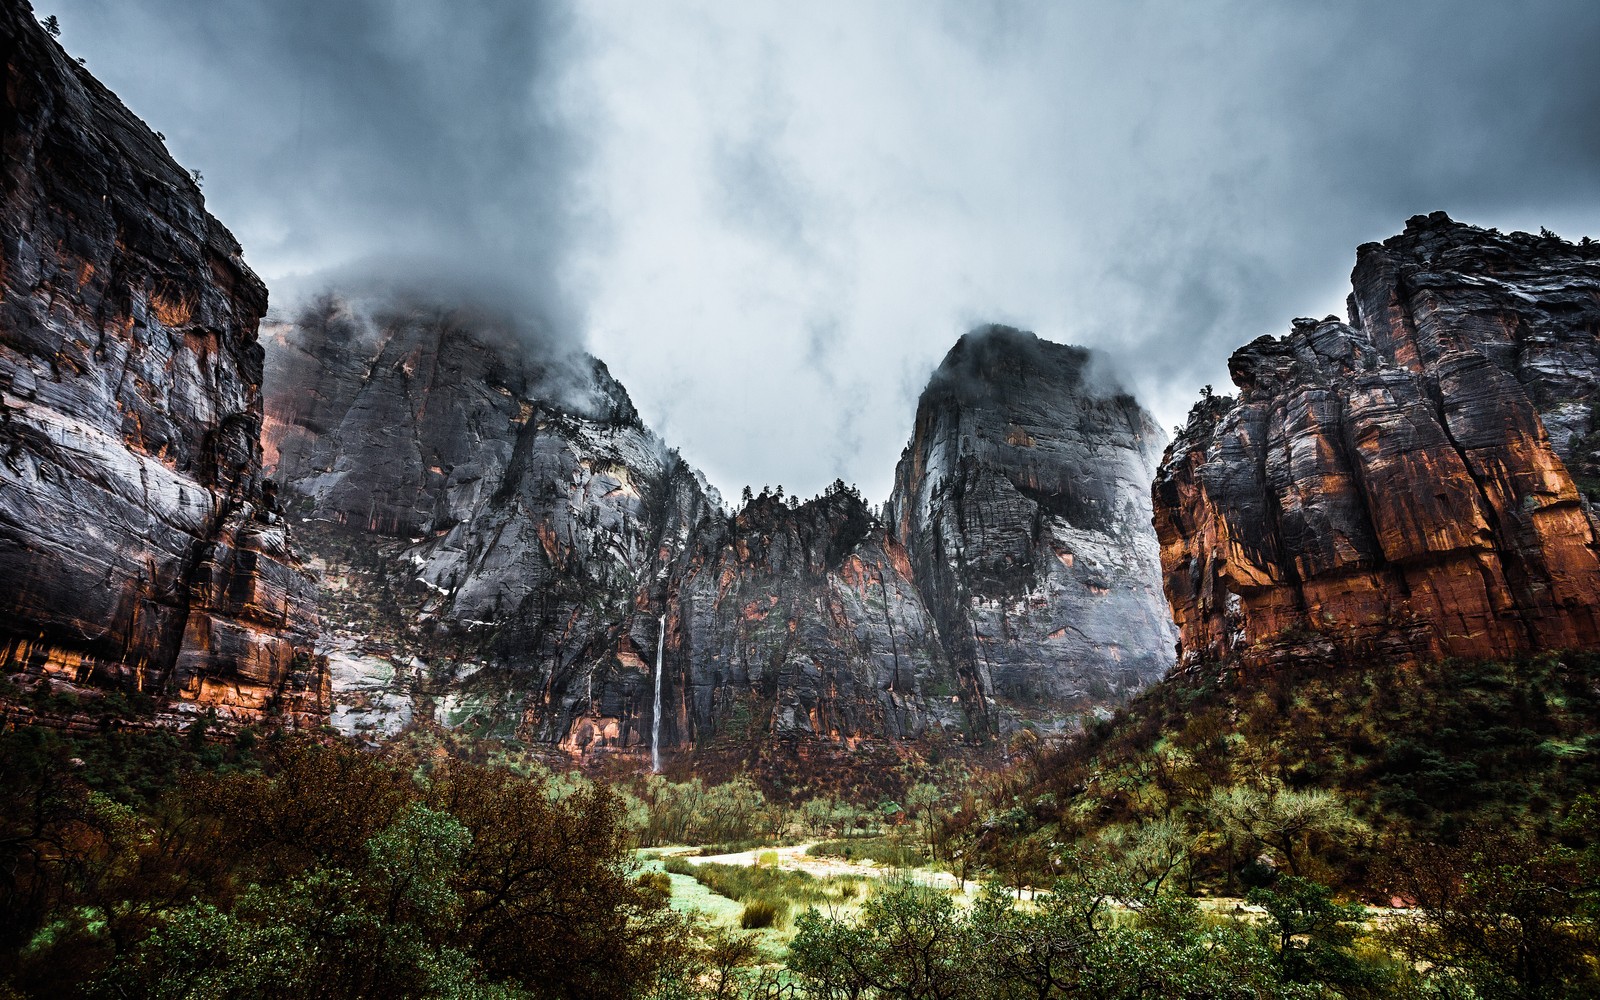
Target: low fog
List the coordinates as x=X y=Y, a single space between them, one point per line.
x=771 y=220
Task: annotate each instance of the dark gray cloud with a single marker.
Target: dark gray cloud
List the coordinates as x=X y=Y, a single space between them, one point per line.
x=332 y=131
x=773 y=219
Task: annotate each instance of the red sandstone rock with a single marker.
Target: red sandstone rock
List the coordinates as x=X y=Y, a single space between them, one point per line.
x=1391 y=489
x=135 y=548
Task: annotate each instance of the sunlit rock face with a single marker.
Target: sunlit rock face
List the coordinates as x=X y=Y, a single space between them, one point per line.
x=1022 y=502
x=1392 y=487
x=138 y=547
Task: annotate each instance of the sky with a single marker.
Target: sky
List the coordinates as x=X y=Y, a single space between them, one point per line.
x=772 y=219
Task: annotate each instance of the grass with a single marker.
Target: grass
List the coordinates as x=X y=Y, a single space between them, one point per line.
x=759 y=913
x=703 y=890
x=743 y=883
x=738 y=846
x=767 y=895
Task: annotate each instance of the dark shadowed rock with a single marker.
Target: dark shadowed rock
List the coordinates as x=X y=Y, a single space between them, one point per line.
x=138 y=547
x=503 y=538
x=1022 y=503
x=806 y=620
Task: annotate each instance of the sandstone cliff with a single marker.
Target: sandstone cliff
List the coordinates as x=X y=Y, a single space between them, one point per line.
x=504 y=539
x=138 y=548
x=1398 y=485
x=1021 y=500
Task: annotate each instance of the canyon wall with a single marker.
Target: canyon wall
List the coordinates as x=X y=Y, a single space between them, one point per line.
x=501 y=537
x=1401 y=485
x=139 y=547
x=494 y=539
x=493 y=519
x=1021 y=501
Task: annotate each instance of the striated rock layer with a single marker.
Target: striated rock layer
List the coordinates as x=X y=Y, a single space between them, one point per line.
x=138 y=546
x=508 y=547
x=1399 y=486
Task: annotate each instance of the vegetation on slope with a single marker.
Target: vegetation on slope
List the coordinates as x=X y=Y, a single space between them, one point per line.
x=311 y=869
x=1315 y=772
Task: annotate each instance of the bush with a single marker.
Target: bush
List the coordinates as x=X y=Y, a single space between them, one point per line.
x=659 y=883
x=318 y=870
x=913 y=941
x=759 y=913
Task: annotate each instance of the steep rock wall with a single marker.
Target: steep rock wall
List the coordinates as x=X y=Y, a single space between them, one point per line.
x=805 y=619
x=1022 y=502
x=1390 y=488
x=138 y=547
x=495 y=505
x=502 y=537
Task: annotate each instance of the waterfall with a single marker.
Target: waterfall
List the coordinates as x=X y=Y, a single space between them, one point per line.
x=655 y=718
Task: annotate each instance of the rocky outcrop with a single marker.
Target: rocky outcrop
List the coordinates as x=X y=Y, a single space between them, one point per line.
x=493 y=503
x=1021 y=501
x=1392 y=486
x=138 y=546
x=805 y=620
x=506 y=546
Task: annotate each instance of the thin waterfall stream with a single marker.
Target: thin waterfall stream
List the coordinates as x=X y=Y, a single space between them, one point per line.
x=655 y=716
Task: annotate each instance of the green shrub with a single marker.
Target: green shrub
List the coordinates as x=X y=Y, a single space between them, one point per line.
x=659 y=883
x=759 y=913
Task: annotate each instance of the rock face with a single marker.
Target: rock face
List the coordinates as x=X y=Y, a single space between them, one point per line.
x=1021 y=501
x=808 y=620
x=499 y=512
x=508 y=547
x=139 y=547
x=1399 y=486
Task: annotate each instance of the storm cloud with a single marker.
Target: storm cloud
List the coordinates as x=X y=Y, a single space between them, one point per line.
x=771 y=220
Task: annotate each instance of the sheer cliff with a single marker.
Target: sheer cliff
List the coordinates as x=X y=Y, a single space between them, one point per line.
x=1400 y=485
x=492 y=505
x=1021 y=502
x=139 y=548
x=503 y=539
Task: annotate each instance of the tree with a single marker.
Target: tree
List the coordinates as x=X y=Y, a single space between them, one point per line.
x=922 y=801
x=53 y=26
x=1153 y=851
x=913 y=943
x=1278 y=818
x=817 y=815
x=1311 y=936
x=1500 y=916
x=907 y=945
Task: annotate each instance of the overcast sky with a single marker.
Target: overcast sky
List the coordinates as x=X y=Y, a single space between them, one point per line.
x=772 y=219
